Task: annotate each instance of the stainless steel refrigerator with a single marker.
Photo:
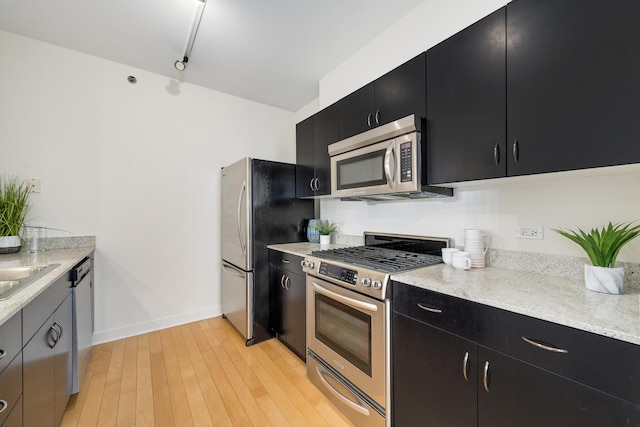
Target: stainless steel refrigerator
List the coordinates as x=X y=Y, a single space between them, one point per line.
x=258 y=208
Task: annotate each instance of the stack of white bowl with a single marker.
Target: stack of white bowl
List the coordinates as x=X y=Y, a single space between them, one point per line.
x=476 y=242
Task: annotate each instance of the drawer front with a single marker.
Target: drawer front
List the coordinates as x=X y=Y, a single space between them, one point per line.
x=454 y=315
x=604 y=363
x=39 y=310
x=10 y=386
x=286 y=261
x=14 y=419
x=10 y=340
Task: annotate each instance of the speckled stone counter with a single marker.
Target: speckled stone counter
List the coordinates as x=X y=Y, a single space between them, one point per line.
x=559 y=300
x=67 y=258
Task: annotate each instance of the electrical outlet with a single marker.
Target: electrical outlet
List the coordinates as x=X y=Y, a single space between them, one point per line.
x=529 y=232
x=34 y=185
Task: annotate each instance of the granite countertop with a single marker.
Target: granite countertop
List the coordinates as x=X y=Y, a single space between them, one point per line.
x=558 y=300
x=67 y=258
x=555 y=299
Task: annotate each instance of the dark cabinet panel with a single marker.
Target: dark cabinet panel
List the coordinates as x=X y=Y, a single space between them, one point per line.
x=397 y=94
x=289 y=296
x=466 y=103
x=434 y=376
x=515 y=393
x=356 y=111
x=572 y=84
x=305 y=157
x=313 y=136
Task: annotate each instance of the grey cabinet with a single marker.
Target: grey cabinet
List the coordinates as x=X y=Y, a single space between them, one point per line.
x=460 y=363
x=11 y=367
x=47 y=356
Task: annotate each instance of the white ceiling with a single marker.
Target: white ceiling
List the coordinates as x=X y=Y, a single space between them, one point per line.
x=270 y=51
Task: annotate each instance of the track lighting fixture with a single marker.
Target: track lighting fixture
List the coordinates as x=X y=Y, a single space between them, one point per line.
x=181 y=64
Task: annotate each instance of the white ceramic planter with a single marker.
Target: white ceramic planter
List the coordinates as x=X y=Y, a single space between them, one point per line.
x=603 y=279
x=10 y=244
x=325 y=239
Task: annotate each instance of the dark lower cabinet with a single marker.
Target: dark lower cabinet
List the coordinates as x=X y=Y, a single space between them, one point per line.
x=288 y=286
x=515 y=393
x=459 y=378
x=47 y=364
x=434 y=376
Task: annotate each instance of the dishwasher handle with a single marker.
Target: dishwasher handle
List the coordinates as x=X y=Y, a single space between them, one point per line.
x=81 y=269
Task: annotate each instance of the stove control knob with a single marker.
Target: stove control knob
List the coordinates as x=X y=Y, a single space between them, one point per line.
x=377 y=284
x=310 y=264
x=303 y=263
x=366 y=282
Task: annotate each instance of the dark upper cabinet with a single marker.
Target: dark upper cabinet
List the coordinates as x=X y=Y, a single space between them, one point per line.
x=466 y=103
x=397 y=94
x=569 y=69
x=572 y=84
x=313 y=136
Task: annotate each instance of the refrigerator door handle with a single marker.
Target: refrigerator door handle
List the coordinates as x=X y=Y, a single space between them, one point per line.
x=243 y=244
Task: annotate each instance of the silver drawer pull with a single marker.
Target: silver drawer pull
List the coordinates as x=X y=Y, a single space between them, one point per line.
x=3 y=405
x=429 y=309
x=2 y=354
x=544 y=346
x=465 y=366
x=285 y=261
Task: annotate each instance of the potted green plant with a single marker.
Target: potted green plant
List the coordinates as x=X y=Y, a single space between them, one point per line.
x=602 y=248
x=326 y=228
x=14 y=197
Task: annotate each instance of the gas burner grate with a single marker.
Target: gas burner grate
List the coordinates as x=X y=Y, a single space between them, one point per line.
x=379 y=258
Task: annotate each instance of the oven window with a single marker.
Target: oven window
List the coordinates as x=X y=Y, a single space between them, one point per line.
x=345 y=330
x=361 y=171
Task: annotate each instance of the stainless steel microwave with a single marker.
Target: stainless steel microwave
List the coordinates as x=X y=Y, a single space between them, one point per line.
x=380 y=164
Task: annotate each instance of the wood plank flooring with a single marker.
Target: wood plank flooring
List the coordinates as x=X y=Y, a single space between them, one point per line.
x=198 y=374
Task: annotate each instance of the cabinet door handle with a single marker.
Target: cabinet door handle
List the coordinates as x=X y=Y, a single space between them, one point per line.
x=3 y=405
x=282 y=281
x=369 y=119
x=465 y=366
x=316 y=184
x=377 y=117
x=429 y=309
x=496 y=154
x=287 y=283
x=544 y=346
x=311 y=184
x=59 y=329
x=485 y=376
x=2 y=354
x=516 y=151
x=53 y=334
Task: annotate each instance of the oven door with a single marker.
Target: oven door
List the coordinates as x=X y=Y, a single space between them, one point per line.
x=347 y=331
x=385 y=167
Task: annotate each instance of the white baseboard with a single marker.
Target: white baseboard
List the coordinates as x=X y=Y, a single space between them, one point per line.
x=100 y=337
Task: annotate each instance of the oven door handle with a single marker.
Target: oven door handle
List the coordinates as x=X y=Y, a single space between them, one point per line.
x=345 y=300
x=351 y=404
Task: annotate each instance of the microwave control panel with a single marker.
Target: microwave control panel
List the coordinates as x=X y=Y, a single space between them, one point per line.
x=406 y=162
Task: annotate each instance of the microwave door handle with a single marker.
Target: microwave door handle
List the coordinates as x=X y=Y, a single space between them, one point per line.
x=391 y=148
x=243 y=244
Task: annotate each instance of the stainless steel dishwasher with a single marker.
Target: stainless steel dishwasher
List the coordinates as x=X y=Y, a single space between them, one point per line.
x=83 y=323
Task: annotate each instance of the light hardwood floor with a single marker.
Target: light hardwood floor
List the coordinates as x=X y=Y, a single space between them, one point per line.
x=199 y=374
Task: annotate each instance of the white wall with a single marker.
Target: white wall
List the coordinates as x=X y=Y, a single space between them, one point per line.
x=136 y=165
x=576 y=199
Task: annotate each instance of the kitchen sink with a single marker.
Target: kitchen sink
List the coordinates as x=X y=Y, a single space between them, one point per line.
x=12 y=279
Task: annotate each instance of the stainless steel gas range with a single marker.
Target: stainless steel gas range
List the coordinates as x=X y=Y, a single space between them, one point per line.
x=349 y=319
